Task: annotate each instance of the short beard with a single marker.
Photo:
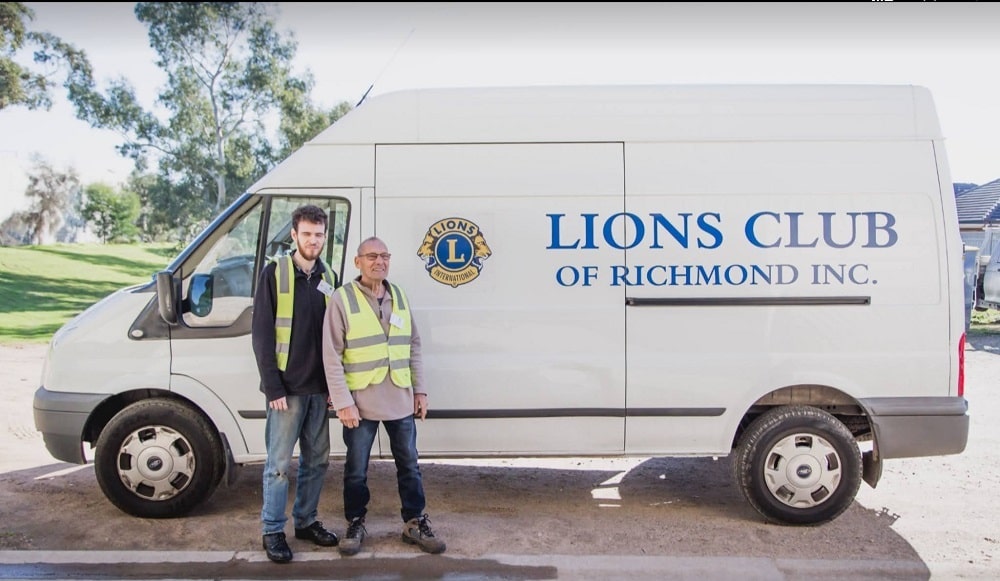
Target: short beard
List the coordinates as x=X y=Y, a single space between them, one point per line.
x=304 y=253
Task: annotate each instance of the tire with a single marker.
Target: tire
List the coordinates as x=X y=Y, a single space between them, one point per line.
x=158 y=459
x=798 y=465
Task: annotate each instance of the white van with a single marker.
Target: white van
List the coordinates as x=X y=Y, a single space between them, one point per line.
x=989 y=271
x=769 y=272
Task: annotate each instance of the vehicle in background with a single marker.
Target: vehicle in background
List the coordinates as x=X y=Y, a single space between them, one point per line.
x=989 y=283
x=971 y=256
x=988 y=248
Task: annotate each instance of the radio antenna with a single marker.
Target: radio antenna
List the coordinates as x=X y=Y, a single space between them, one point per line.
x=379 y=76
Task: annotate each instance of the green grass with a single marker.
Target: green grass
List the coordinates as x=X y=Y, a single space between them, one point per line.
x=42 y=287
x=985 y=322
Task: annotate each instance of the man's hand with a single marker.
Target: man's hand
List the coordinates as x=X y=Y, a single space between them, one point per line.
x=280 y=404
x=420 y=405
x=349 y=416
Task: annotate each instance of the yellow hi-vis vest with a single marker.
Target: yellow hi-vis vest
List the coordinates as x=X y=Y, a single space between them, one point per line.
x=368 y=353
x=284 y=277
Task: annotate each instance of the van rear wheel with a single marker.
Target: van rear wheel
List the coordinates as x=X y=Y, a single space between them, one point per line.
x=158 y=459
x=798 y=465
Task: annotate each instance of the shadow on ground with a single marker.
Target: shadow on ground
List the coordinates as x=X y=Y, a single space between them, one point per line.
x=984 y=338
x=663 y=506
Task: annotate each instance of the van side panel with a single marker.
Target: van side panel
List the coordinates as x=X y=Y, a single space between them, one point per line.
x=516 y=362
x=224 y=368
x=221 y=413
x=96 y=355
x=855 y=229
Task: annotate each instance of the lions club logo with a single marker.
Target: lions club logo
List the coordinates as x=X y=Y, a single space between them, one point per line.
x=453 y=251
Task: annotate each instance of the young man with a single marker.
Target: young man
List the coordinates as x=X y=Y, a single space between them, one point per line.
x=287 y=331
x=371 y=351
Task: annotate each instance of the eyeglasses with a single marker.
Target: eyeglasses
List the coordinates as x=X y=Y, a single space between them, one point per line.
x=371 y=256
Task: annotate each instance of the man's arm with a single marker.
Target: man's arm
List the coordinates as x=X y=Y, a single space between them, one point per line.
x=263 y=335
x=417 y=372
x=334 y=339
x=416 y=359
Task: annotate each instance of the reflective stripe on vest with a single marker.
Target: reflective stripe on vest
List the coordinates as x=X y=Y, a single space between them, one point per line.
x=368 y=354
x=284 y=278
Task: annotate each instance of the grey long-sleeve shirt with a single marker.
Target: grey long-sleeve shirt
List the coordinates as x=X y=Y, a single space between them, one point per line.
x=382 y=401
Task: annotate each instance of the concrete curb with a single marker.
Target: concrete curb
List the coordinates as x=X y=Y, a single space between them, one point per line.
x=565 y=566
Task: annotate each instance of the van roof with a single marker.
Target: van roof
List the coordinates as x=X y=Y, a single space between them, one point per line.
x=586 y=114
x=640 y=113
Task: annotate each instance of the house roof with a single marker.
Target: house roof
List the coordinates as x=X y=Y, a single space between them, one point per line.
x=980 y=205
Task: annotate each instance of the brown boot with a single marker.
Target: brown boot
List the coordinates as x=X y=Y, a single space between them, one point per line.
x=417 y=531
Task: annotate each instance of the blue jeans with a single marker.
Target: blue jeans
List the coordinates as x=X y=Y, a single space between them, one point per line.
x=403 y=443
x=306 y=422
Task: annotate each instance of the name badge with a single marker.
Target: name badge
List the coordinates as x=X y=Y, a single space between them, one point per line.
x=396 y=321
x=325 y=288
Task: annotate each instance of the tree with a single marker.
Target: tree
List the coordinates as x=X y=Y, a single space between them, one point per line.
x=228 y=76
x=20 y=85
x=16 y=229
x=50 y=193
x=112 y=214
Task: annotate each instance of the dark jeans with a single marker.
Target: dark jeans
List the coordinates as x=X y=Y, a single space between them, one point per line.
x=403 y=443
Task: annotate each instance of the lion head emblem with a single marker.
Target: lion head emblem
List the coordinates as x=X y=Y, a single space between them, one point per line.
x=453 y=251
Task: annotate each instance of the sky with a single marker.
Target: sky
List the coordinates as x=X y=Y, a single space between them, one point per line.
x=951 y=48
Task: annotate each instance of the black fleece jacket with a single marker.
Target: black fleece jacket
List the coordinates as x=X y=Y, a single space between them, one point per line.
x=304 y=374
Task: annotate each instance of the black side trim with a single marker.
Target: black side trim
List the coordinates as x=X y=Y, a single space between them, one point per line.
x=675 y=412
x=527 y=413
x=149 y=325
x=262 y=415
x=548 y=413
x=746 y=301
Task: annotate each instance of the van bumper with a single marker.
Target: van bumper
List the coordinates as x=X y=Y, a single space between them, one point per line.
x=909 y=427
x=61 y=417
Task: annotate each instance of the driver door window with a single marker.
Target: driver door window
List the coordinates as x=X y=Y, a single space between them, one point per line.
x=220 y=287
x=279 y=237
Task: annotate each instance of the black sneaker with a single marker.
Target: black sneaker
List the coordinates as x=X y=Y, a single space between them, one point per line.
x=277 y=548
x=355 y=535
x=417 y=531
x=317 y=534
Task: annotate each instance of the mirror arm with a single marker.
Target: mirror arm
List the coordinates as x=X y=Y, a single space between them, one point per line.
x=166 y=296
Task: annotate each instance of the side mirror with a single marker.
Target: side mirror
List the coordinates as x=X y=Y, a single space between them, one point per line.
x=166 y=296
x=200 y=294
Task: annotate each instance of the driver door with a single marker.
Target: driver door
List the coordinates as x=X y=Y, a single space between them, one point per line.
x=211 y=346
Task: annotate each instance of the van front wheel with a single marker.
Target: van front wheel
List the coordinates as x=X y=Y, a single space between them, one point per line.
x=798 y=465
x=158 y=459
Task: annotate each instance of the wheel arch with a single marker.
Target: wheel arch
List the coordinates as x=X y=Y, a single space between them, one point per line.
x=835 y=402
x=841 y=405
x=102 y=414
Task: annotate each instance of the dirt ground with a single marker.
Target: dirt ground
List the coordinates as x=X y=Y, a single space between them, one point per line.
x=939 y=511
